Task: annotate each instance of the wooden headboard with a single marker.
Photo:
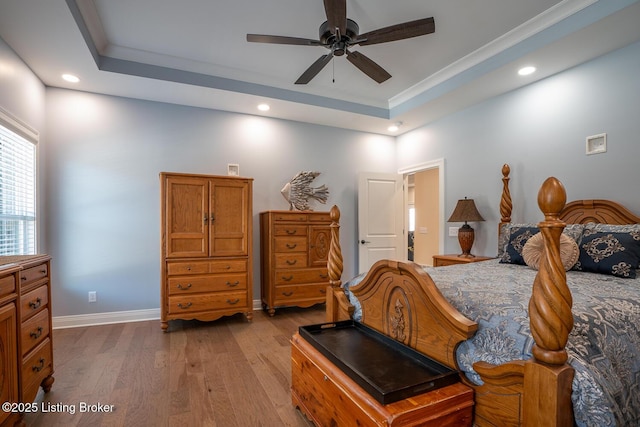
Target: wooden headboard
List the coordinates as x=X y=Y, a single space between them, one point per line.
x=597 y=210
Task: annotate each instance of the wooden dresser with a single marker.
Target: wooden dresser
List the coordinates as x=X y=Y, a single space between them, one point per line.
x=26 y=330
x=328 y=397
x=206 y=266
x=294 y=247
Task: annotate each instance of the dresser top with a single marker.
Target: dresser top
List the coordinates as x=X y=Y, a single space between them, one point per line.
x=8 y=260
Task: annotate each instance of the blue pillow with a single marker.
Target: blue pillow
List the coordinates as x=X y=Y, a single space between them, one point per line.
x=607 y=252
x=518 y=237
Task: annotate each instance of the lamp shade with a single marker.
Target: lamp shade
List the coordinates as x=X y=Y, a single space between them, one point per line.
x=465 y=211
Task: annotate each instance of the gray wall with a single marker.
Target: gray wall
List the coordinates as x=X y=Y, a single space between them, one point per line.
x=103 y=186
x=540 y=131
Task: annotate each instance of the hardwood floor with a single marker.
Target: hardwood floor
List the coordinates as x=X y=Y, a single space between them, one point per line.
x=224 y=373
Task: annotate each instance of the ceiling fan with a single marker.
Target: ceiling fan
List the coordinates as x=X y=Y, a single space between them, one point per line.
x=338 y=33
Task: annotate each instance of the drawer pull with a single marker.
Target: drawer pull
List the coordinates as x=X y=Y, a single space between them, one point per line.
x=185 y=306
x=39 y=366
x=35 y=304
x=232 y=302
x=234 y=284
x=291 y=246
x=324 y=276
x=290 y=232
x=323 y=291
x=291 y=261
x=188 y=268
x=326 y=378
x=35 y=335
x=43 y=271
x=228 y=267
x=184 y=287
x=287 y=278
x=287 y=294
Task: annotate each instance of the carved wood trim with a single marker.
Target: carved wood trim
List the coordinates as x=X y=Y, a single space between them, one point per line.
x=597 y=210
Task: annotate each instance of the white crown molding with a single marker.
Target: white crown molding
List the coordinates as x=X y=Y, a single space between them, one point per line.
x=535 y=25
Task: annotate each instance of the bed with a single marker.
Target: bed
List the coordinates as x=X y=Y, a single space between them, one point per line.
x=544 y=346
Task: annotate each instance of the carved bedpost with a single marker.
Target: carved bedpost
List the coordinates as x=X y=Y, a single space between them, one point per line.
x=547 y=376
x=334 y=262
x=505 y=200
x=337 y=307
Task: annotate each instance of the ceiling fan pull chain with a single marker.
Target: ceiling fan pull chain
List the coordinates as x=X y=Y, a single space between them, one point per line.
x=333 y=64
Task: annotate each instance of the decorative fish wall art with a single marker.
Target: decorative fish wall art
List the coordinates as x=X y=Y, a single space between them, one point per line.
x=298 y=191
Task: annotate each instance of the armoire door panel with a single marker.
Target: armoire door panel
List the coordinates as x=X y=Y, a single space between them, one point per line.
x=187 y=217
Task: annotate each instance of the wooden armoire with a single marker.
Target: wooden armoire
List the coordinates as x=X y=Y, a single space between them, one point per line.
x=206 y=228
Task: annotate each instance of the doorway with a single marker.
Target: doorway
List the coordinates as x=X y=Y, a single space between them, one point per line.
x=424 y=211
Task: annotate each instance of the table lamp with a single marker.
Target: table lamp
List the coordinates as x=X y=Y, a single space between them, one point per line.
x=466 y=211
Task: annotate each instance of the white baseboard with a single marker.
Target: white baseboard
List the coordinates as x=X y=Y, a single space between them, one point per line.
x=94 y=319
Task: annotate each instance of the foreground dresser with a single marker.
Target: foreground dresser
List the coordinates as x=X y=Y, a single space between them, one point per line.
x=26 y=347
x=294 y=248
x=206 y=247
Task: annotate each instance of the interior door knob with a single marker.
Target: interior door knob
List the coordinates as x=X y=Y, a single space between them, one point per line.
x=364 y=241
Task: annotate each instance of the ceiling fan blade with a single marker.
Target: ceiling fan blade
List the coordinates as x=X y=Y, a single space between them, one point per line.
x=368 y=67
x=406 y=30
x=336 y=11
x=314 y=69
x=264 y=38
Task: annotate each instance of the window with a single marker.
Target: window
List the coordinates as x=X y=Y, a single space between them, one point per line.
x=17 y=192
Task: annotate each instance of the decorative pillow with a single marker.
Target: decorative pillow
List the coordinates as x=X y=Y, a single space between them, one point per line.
x=632 y=229
x=503 y=238
x=608 y=252
x=517 y=236
x=532 y=251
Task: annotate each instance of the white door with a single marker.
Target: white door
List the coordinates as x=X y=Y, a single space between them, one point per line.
x=380 y=219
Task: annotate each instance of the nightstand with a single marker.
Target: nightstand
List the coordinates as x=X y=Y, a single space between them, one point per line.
x=442 y=260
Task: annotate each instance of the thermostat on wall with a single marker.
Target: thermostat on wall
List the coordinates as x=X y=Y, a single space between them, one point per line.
x=597 y=144
x=233 y=169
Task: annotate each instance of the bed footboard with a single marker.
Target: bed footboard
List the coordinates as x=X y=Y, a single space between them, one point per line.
x=402 y=301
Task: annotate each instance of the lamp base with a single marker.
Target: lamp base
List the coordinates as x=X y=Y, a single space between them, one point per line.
x=466 y=236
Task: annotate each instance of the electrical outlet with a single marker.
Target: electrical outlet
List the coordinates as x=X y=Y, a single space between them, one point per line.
x=453 y=231
x=93 y=296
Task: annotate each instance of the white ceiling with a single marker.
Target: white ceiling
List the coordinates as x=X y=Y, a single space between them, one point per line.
x=194 y=52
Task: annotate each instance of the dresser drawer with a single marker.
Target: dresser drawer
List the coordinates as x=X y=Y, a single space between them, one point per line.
x=37 y=365
x=320 y=217
x=34 y=331
x=292 y=260
x=293 y=217
x=205 y=267
x=34 y=301
x=7 y=285
x=297 y=293
x=203 y=284
x=33 y=274
x=289 y=230
x=308 y=275
x=290 y=244
x=207 y=302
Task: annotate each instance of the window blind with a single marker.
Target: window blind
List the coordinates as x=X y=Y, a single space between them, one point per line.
x=17 y=194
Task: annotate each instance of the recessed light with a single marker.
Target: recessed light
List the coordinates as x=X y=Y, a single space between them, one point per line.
x=70 y=78
x=525 y=71
x=394 y=127
x=263 y=107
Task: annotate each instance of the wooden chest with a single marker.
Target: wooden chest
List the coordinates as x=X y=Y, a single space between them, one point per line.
x=328 y=397
x=294 y=248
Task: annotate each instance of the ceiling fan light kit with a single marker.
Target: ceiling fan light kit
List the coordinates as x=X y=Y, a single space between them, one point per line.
x=338 y=34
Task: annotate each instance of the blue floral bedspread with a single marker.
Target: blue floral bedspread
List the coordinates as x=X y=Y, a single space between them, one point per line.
x=603 y=348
